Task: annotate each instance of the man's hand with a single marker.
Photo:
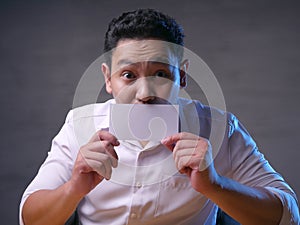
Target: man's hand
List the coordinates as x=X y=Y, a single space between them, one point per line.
x=94 y=162
x=193 y=156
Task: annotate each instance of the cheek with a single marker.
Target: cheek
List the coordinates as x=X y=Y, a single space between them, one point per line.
x=117 y=84
x=167 y=89
x=123 y=93
x=170 y=93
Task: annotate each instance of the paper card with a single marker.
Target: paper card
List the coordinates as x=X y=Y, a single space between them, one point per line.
x=143 y=122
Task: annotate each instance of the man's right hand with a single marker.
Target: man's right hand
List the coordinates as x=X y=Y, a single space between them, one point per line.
x=94 y=162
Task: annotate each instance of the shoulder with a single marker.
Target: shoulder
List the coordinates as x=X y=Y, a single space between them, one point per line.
x=89 y=111
x=211 y=119
x=82 y=122
x=205 y=111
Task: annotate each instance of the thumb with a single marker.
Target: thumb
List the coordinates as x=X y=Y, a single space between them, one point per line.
x=170 y=141
x=103 y=135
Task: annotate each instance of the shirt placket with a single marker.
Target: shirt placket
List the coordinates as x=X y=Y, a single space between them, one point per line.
x=136 y=201
x=139 y=197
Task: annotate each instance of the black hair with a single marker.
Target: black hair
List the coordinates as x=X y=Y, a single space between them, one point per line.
x=143 y=24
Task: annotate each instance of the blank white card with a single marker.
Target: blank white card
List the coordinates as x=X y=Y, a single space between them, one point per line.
x=143 y=122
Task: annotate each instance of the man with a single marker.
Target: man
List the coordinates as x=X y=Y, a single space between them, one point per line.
x=100 y=176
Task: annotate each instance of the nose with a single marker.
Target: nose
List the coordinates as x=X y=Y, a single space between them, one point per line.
x=145 y=90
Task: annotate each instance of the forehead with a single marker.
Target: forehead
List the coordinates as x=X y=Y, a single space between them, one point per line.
x=129 y=51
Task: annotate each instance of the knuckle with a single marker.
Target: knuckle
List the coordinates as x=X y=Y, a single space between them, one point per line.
x=175 y=152
x=181 y=164
x=82 y=152
x=99 y=132
x=175 y=157
x=182 y=135
x=178 y=145
x=100 y=167
x=85 y=146
x=203 y=143
x=96 y=136
x=84 y=166
x=106 y=144
x=106 y=158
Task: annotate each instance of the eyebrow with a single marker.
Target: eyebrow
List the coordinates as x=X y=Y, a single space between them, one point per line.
x=124 y=62
x=159 y=60
x=163 y=60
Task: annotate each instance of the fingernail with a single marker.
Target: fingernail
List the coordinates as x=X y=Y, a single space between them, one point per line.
x=164 y=140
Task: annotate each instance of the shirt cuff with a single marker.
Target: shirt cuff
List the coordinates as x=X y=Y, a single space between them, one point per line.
x=290 y=215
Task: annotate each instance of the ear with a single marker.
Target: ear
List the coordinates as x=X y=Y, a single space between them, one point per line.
x=107 y=76
x=183 y=72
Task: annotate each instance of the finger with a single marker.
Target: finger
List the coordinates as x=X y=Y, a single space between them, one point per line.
x=103 y=147
x=113 y=161
x=185 y=148
x=196 y=160
x=185 y=170
x=98 y=167
x=185 y=144
x=102 y=135
x=106 y=136
x=101 y=164
x=188 y=162
x=95 y=137
x=96 y=155
x=182 y=162
x=184 y=153
x=199 y=145
x=170 y=141
x=110 y=149
x=95 y=150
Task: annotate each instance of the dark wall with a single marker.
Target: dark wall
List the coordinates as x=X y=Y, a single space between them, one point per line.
x=252 y=47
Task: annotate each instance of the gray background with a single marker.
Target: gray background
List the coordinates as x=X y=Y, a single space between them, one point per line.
x=252 y=47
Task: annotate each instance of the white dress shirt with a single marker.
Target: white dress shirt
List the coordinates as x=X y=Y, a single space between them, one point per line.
x=146 y=188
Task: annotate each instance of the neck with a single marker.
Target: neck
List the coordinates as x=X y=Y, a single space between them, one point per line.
x=144 y=143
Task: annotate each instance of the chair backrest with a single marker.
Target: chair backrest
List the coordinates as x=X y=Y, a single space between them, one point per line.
x=74 y=219
x=225 y=219
x=222 y=219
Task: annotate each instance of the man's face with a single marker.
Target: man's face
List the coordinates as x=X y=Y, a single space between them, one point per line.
x=143 y=72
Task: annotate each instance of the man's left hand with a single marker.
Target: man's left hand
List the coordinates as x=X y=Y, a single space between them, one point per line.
x=193 y=156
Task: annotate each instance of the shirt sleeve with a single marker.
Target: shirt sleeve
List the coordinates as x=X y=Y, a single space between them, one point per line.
x=57 y=167
x=250 y=167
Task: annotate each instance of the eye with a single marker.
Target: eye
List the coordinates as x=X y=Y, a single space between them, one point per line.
x=162 y=74
x=128 y=75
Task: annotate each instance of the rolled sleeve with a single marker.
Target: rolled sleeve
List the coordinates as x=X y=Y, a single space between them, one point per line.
x=290 y=215
x=57 y=167
x=250 y=167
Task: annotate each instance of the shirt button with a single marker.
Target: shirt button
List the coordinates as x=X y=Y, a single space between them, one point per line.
x=133 y=215
x=138 y=185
